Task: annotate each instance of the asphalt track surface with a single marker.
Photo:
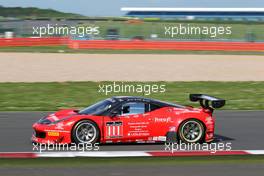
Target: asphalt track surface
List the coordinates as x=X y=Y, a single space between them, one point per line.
x=244 y=129
x=132 y=170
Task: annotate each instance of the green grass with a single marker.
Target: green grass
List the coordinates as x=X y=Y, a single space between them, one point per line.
x=83 y=162
x=65 y=49
x=54 y=96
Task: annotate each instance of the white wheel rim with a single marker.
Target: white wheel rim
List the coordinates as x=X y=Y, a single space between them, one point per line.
x=191 y=131
x=85 y=132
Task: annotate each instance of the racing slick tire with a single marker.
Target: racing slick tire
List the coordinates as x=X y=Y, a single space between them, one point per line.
x=191 y=131
x=85 y=131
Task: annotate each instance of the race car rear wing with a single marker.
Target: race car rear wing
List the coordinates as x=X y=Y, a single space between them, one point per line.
x=207 y=101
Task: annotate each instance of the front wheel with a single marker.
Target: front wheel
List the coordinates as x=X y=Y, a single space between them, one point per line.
x=85 y=131
x=191 y=131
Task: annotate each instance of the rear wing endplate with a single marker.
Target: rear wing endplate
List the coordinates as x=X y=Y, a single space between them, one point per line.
x=207 y=101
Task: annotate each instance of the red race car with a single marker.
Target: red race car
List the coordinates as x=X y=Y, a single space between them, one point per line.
x=130 y=119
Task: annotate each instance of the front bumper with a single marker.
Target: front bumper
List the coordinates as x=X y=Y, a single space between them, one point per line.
x=48 y=134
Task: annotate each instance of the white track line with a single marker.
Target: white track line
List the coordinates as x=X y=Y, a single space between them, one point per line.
x=95 y=154
x=255 y=152
x=125 y=154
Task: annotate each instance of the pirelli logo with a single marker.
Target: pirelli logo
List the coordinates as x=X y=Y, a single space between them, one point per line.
x=114 y=129
x=53 y=133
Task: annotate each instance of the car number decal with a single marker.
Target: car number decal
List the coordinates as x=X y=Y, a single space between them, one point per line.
x=114 y=129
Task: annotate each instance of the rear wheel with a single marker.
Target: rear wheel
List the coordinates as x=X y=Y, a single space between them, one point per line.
x=191 y=131
x=85 y=131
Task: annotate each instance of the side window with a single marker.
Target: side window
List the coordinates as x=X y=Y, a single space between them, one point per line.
x=133 y=108
x=153 y=107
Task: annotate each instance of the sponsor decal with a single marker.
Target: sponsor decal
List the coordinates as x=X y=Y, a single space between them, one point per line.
x=53 y=133
x=137 y=129
x=209 y=121
x=59 y=126
x=183 y=111
x=138 y=123
x=140 y=141
x=162 y=120
x=159 y=138
x=108 y=142
x=60 y=131
x=172 y=128
x=162 y=138
x=114 y=129
x=54 y=118
x=138 y=133
x=70 y=123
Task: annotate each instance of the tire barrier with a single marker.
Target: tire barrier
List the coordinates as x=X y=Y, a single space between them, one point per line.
x=134 y=44
x=166 y=45
x=51 y=41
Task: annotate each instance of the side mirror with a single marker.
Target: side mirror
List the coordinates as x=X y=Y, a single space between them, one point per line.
x=114 y=114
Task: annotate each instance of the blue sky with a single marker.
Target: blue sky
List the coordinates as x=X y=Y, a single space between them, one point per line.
x=112 y=7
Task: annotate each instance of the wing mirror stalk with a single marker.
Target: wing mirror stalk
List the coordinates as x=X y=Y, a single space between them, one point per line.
x=114 y=114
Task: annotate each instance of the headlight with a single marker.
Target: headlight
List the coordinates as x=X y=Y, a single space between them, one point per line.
x=44 y=120
x=58 y=121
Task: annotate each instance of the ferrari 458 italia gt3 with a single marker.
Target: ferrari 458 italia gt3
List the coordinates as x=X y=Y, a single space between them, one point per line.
x=130 y=119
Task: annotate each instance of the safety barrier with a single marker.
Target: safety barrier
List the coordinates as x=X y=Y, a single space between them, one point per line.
x=134 y=44
x=166 y=45
x=51 y=41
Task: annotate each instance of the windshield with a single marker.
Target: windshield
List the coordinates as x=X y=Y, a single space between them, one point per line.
x=98 y=108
